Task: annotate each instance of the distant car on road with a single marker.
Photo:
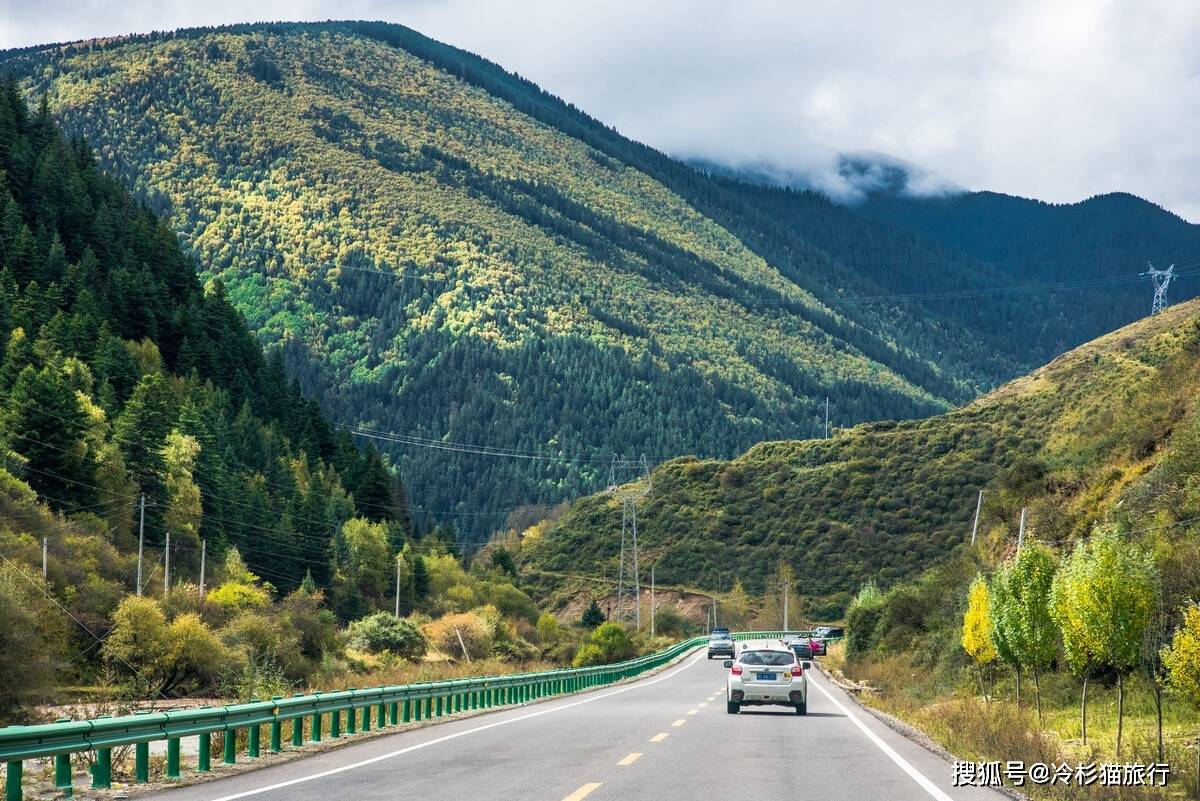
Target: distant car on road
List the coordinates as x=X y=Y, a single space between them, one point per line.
x=802 y=646
x=816 y=647
x=828 y=632
x=767 y=676
x=721 y=644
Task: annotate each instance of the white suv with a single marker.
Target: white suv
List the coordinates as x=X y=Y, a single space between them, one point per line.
x=766 y=676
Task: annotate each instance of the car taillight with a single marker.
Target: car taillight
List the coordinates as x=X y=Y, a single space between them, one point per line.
x=797 y=671
x=736 y=670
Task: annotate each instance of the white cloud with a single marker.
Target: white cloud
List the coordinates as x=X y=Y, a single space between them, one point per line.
x=1057 y=100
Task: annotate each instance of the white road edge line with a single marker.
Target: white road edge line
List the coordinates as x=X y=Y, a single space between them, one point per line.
x=904 y=764
x=352 y=766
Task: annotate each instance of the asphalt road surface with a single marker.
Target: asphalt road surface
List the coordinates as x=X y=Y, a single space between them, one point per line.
x=664 y=738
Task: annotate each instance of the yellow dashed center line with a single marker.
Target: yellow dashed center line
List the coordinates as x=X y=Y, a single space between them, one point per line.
x=629 y=760
x=679 y=722
x=704 y=703
x=582 y=792
x=658 y=738
x=693 y=711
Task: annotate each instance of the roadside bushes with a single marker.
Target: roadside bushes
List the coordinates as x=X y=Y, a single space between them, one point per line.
x=183 y=655
x=862 y=620
x=609 y=643
x=382 y=632
x=444 y=636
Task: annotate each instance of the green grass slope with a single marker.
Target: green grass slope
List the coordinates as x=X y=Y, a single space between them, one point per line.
x=887 y=501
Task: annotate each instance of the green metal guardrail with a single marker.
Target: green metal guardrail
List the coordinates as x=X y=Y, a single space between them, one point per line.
x=345 y=713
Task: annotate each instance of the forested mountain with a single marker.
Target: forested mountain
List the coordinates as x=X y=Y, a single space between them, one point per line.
x=1080 y=260
x=121 y=377
x=887 y=501
x=1060 y=274
x=445 y=252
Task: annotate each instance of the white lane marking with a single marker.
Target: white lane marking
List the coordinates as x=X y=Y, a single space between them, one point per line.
x=363 y=763
x=904 y=764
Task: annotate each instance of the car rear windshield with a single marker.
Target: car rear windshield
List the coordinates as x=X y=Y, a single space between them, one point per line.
x=768 y=658
x=721 y=638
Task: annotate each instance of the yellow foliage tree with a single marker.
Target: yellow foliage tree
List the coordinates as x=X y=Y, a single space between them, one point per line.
x=1182 y=657
x=977 y=629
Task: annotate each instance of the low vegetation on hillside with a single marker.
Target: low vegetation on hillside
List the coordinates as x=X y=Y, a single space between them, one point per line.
x=1078 y=638
x=886 y=501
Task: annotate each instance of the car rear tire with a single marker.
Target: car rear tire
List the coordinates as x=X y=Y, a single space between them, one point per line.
x=802 y=708
x=732 y=707
x=710 y=656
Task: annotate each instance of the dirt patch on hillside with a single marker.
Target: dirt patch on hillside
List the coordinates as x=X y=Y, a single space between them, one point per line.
x=691 y=605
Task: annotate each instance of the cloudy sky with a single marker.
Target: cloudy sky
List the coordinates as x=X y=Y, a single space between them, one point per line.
x=1055 y=99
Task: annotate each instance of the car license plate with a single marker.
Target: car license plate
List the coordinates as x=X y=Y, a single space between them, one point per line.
x=764 y=677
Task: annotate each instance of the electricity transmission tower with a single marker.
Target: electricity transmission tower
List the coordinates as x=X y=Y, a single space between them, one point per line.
x=1161 y=279
x=628 y=588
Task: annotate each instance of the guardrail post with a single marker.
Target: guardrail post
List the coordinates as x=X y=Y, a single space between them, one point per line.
x=276 y=727
x=381 y=715
x=316 y=727
x=230 y=746
x=438 y=704
x=102 y=770
x=141 y=763
x=335 y=724
x=366 y=718
x=394 y=713
x=204 y=757
x=172 y=757
x=351 y=723
x=298 y=731
x=252 y=744
x=12 y=781
x=63 y=779
x=406 y=713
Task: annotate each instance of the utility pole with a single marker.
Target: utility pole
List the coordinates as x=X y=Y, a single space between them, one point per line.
x=651 y=600
x=397 y=586
x=141 y=542
x=628 y=584
x=45 y=562
x=1021 y=534
x=785 y=606
x=1161 y=279
x=978 y=506
x=167 y=566
x=203 y=547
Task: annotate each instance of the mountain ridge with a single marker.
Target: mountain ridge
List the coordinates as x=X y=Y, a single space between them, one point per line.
x=433 y=242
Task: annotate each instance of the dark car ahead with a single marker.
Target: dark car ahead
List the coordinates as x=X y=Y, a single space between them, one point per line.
x=802 y=647
x=720 y=644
